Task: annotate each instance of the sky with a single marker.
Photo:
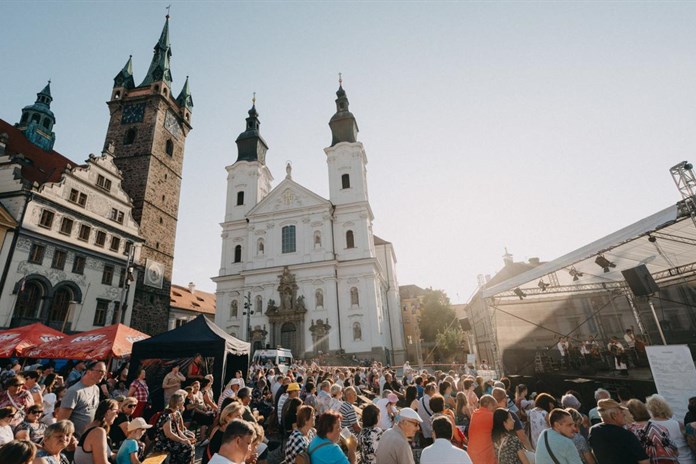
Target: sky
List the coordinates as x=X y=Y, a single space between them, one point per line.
x=536 y=126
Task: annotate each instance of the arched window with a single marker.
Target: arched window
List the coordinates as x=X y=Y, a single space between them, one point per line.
x=35 y=118
x=354 y=298
x=288 y=239
x=319 y=298
x=345 y=181
x=350 y=240
x=238 y=254
x=357 y=331
x=317 y=239
x=170 y=147
x=260 y=248
x=240 y=198
x=258 y=307
x=46 y=123
x=28 y=301
x=117 y=95
x=130 y=136
x=234 y=310
x=60 y=305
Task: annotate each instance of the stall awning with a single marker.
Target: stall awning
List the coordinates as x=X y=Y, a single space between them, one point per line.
x=13 y=342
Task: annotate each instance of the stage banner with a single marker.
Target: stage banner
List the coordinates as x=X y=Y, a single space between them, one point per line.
x=674 y=374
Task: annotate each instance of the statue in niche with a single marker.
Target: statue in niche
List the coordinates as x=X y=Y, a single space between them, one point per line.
x=319 y=298
x=357 y=331
x=300 y=303
x=271 y=307
x=287 y=291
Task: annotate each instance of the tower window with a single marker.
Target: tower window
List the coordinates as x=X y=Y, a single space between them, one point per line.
x=46 y=123
x=240 y=198
x=117 y=95
x=130 y=136
x=345 y=181
x=170 y=147
x=35 y=118
x=354 y=297
x=288 y=239
x=238 y=254
x=350 y=240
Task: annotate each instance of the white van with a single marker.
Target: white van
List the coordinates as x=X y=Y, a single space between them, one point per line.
x=280 y=358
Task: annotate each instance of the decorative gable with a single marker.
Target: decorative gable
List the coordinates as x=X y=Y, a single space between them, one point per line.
x=288 y=196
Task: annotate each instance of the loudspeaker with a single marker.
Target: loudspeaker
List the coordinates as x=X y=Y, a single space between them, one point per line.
x=640 y=280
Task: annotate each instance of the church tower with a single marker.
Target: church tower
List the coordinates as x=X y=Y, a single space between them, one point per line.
x=37 y=120
x=148 y=129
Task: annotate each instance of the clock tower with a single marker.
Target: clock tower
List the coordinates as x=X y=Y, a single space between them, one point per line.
x=147 y=129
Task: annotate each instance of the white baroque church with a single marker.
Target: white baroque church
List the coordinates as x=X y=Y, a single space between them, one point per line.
x=303 y=272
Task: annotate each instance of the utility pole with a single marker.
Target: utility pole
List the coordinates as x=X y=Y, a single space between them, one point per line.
x=248 y=312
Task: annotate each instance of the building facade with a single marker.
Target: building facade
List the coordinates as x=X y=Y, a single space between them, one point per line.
x=187 y=303
x=302 y=271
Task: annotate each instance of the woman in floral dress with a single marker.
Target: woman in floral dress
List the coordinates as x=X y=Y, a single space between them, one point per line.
x=368 y=438
x=170 y=437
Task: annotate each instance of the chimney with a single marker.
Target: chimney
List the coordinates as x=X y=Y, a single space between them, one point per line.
x=507 y=258
x=192 y=287
x=534 y=261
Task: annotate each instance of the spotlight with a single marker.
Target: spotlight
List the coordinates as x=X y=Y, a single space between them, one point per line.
x=604 y=263
x=520 y=293
x=575 y=273
x=652 y=239
x=543 y=285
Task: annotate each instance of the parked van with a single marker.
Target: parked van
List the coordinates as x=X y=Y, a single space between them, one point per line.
x=279 y=357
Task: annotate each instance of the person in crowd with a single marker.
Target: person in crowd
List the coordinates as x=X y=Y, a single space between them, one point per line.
x=244 y=397
x=661 y=413
x=387 y=409
x=7 y=414
x=50 y=397
x=481 y=448
x=555 y=444
x=170 y=435
x=336 y=400
x=230 y=390
x=290 y=415
x=347 y=410
x=500 y=396
x=324 y=448
x=311 y=395
x=57 y=437
x=610 y=441
x=207 y=392
x=461 y=412
x=690 y=415
x=543 y=405
x=81 y=400
x=31 y=428
x=302 y=435
x=172 y=382
x=76 y=373
x=426 y=413
x=437 y=406
x=119 y=429
x=94 y=447
x=236 y=443
x=120 y=390
x=521 y=401
x=16 y=396
x=258 y=451
x=442 y=450
x=292 y=391
x=32 y=385
x=508 y=447
x=201 y=413
x=18 y=452
x=600 y=394
x=394 y=447
x=652 y=436
x=131 y=450
x=231 y=412
x=139 y=390
x=579 y=440
x=195 y=369
x=370 y=433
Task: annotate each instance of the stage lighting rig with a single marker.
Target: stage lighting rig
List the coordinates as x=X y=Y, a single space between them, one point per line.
x=518 y=291
x=604 y=263
x=543 y=285
x=575 y=274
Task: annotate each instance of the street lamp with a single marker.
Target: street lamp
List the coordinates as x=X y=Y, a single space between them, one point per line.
x=248 y=312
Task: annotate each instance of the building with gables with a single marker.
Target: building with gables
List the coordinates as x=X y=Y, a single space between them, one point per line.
x=187 y=303
x=303 y=271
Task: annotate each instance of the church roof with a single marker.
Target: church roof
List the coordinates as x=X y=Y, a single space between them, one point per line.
x=42 y=166
x=197 y=301
x=288 y=195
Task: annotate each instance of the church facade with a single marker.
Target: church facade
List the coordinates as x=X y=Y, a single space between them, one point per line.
x=301 y=271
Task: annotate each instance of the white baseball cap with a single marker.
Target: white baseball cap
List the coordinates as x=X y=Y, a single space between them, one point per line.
x=408 y=413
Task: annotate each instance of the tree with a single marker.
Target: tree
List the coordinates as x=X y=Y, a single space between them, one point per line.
x=450 y=340
x=436 y=314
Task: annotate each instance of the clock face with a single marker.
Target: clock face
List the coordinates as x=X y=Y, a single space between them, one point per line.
x=133 y=113
x=172 y=124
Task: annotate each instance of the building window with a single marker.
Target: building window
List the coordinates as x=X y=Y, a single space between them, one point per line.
x=78 y=197
x=104 y=183
x=238 y=254
x=240 y=198
x=100 y=312
x=115 y=244
x=130 y=136
x=357 y=331
x=260 y=247
x=288 y=239
x=60 y=305
x=345 y=181
x=127 y=248
x=78 y=266
x=66 y=226
x=59 y=257
x=234 y=310
x=121 y=276
x=85 y=230
x=317 y=239
x=350 y=240
x=116 y=215
x=36 y=254
x=46 y=219
x=108 y=274
x=170 y=147
x=179 y=322
x=319 y=298
x=28 y=300
x=100 y=240
x=354 y=298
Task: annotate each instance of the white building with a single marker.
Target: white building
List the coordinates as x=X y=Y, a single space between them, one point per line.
x=316 y=277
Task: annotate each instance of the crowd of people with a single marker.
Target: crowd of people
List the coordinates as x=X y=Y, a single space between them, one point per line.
x=311 y=414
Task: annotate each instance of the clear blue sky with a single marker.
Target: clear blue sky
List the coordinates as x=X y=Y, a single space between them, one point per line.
x=539 y=126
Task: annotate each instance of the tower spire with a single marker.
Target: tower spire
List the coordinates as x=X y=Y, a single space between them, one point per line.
x=160 y=67
x=344 y=127
x=125 y=77
x=250 y=145
x=37 y=120
x=184 y=99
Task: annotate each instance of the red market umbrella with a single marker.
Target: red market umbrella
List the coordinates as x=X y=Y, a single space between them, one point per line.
x=114 y=341
x=15 y=341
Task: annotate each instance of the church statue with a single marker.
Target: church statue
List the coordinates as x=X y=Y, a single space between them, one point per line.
x=300 y=303
x=271 y=306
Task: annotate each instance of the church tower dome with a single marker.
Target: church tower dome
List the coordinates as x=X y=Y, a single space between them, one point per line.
x=37 y=120
x=250 y=145
x=344 y=128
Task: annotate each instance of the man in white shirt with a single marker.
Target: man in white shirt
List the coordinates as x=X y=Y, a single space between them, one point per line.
x=425 y=412
x=442 y=451
x=236 y=442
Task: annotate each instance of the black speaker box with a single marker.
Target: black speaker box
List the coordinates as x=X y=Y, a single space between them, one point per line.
x=640 y=281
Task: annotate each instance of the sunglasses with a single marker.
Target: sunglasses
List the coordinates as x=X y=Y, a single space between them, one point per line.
x=130 y=406
x=36 y=412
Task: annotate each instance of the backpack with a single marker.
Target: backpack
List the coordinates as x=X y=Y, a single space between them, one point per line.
x=305 y=456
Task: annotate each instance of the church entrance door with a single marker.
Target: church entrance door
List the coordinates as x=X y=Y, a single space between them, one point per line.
x=288 y=338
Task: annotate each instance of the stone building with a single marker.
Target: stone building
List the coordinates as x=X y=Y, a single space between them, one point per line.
x=148 y=128
x=302 y=271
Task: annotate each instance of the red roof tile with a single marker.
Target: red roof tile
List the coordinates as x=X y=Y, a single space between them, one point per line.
x=198 y=301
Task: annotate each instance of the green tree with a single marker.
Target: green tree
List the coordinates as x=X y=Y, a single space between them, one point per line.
x=450 y=340
x=436 y=314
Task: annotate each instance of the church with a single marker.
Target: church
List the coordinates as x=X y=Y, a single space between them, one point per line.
x=301 y=271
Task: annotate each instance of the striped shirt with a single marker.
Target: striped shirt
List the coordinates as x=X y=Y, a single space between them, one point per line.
x=348 y=413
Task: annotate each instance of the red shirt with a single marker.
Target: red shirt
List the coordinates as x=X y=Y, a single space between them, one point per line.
x=481 y=449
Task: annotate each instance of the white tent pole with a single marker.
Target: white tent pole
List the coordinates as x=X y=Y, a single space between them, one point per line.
x=657 y=321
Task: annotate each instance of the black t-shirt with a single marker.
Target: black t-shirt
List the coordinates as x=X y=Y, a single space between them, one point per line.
x=115 y=433
x=612 y=444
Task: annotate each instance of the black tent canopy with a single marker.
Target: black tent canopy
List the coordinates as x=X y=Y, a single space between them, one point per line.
x=197 y=336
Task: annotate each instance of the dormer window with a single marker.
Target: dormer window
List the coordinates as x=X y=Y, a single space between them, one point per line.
x=103 y=183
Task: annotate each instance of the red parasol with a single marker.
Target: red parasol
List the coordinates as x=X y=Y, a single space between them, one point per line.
x=13 y=342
